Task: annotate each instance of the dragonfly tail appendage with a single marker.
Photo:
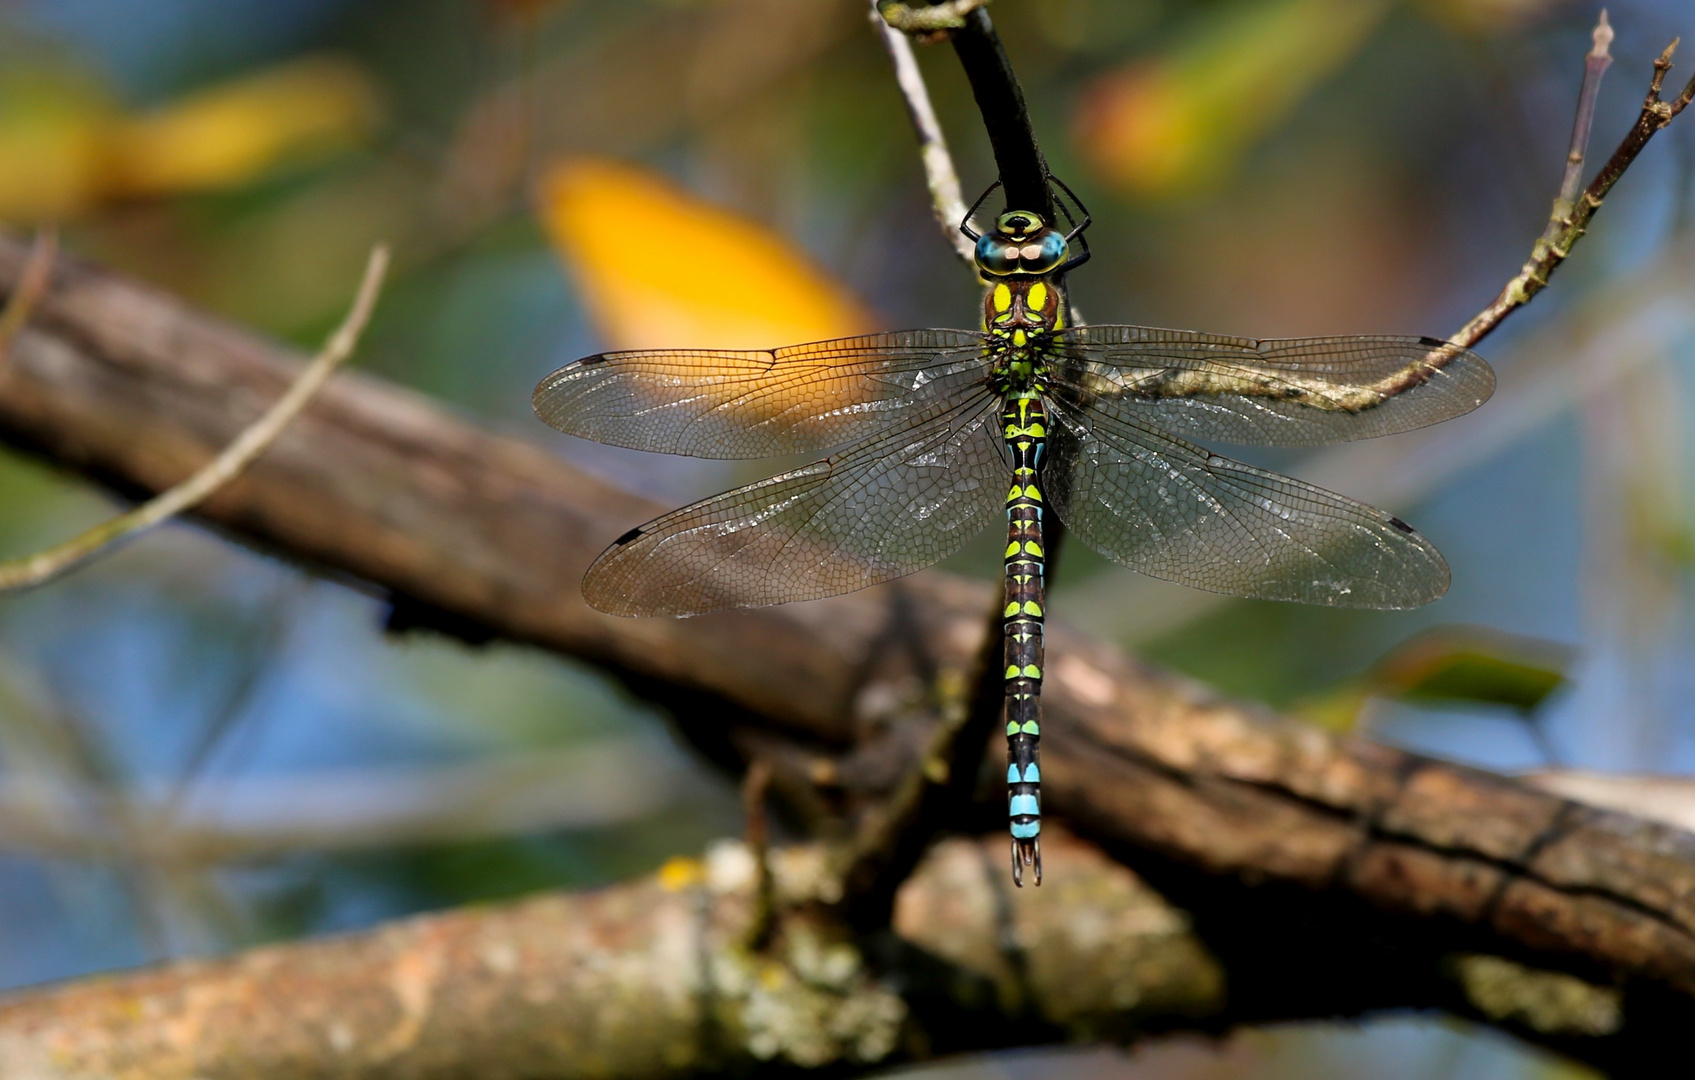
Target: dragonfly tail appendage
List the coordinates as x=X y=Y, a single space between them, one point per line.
x=1025 y=422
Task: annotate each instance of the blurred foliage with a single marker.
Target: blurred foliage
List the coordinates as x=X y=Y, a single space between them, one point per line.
x=1179 y=121
x=67 y=147
x=1486 y=16
x=1454 y=667
x=1473 y=665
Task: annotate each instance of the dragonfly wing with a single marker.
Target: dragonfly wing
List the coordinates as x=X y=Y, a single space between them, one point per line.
x=724 y=404
x=1169 y=509
x=1276 y=392
x=894 y=505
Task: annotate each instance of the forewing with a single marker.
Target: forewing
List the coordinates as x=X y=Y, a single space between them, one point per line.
x=724 y=404
x=880 y=511
x=1276 y=392
x=1169 y=509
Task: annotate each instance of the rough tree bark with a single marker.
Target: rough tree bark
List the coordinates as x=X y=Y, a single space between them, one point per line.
x=649 y=979
x=1327 y=876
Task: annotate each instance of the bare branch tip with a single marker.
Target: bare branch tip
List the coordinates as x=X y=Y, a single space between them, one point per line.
x=1602 y=37
x=346 y=336
x=376 y=269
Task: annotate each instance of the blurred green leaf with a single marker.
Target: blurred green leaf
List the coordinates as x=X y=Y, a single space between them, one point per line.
x=1453 y=666
x=1467 y=677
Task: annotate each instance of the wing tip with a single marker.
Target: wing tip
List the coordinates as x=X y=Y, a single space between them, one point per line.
x=611 y=600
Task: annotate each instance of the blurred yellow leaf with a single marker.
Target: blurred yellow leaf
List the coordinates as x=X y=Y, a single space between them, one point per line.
x=237 y=131
x=1167 y=124
x=66 y=147
x=659 y=267
x=680 y=873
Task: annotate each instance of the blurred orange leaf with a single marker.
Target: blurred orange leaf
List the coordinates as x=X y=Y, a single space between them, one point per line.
x=660 y=268
x=1167 y=124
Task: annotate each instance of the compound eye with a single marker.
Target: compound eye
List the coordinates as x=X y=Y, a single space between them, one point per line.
x=1043 y=253
x=1018 y=223
x=996 y=256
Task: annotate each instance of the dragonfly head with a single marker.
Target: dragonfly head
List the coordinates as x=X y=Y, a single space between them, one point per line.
x=1021 y=243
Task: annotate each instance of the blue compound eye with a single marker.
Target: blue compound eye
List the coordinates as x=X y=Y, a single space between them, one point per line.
x=1041 y=254
x=996 y=255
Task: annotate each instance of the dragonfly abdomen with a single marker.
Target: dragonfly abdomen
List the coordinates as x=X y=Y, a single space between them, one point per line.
x=1025 y=431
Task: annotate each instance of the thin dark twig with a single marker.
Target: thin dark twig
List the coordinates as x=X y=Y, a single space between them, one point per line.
x=892 y=839
x=755 y=784
x=1023 y=170
x=1571 y=217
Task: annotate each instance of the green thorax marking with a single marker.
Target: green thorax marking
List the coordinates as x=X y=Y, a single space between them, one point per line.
x=1021 y=313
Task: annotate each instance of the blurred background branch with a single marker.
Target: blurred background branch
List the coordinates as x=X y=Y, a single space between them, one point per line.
x=40 y=568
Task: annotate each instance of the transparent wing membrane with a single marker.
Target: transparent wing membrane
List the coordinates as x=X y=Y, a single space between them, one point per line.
x=1276 y=392
x=1169 y=509
x=925 y=469
x=724 y=404
x=894 y=505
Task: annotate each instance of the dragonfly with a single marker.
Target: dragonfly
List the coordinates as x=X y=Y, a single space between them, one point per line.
x=931 y=435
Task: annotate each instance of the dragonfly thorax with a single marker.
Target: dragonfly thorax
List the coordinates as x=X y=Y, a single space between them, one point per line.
x=1020 y=315
x=1021 y=309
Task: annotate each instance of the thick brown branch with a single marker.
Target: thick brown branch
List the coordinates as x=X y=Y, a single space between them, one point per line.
x=1321 y=871
x=649 y=979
